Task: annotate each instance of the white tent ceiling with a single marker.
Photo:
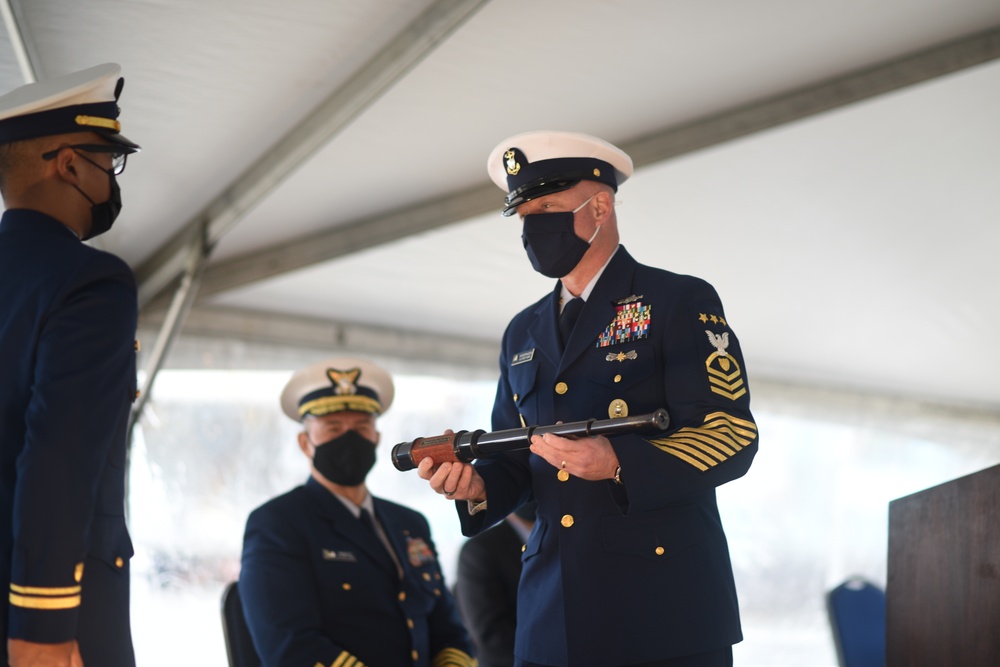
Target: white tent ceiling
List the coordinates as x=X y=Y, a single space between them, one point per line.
x=832 y=167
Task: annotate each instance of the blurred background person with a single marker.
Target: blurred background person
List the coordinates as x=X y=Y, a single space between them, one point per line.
x=489 y=567
x=330 y=574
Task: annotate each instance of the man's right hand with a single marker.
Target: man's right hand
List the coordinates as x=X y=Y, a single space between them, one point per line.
x=23 y=653
x=454 y=480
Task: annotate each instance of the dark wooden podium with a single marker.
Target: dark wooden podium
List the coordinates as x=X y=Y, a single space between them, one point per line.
x=943 y=590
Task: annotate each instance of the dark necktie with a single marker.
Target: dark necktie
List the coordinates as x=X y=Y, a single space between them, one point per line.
x=387 y=553
x=366 y=518
x=570 y=313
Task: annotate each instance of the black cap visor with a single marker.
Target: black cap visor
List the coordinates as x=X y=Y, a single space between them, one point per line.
x=546 y=185
x=121 y=140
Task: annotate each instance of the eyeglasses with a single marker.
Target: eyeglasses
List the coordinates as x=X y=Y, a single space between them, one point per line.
x=118 y=156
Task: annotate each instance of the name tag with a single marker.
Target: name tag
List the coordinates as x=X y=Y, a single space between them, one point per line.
x=341 y=556
x=523 y=357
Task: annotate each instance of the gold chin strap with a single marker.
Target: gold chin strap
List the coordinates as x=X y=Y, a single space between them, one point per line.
x=97 y=121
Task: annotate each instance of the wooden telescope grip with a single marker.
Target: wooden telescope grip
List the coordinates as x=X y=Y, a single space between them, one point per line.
x=466 y=446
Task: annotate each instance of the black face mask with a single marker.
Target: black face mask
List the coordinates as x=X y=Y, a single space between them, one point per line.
x=552 y=244
x=346 y=459
x=103 y=215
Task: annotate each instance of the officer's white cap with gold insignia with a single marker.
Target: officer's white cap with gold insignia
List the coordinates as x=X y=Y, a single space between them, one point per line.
x=535 y=164
x=336 y=385
x=84 y=101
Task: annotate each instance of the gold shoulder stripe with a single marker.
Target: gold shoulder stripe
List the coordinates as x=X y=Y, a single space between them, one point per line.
x=30 y=602
x=453 y=657
x=37 y=590
x=721 y=437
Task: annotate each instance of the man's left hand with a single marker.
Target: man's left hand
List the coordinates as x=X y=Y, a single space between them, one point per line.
x=590 y=458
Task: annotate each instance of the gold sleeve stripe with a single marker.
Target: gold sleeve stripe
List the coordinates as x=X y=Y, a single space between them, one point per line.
x=682 y=456
x=50 y=603
x=453 y=657
x=345 y=659
x=709 y=459
x=706 y=448
x=727 y=444
x=716 y=417
x=719 y=438
x=727 y=432
x=37 y=590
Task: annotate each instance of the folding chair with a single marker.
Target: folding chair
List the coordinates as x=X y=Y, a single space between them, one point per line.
x=239 y=645
x=857 y=618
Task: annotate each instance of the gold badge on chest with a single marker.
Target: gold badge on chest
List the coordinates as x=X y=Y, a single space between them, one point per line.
x=618 y=408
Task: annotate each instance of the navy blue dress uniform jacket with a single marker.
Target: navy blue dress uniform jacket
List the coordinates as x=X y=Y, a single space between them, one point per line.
x=67 y=382
x=320 y=588
x=623 y=574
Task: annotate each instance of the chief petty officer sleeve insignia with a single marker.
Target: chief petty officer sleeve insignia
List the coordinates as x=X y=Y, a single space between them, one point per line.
x=631 y=323
x=722 y=435
x=724 y=374
x=719 y=438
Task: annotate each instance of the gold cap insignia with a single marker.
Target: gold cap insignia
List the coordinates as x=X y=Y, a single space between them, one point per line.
x=513 y=166
x=344 y=382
